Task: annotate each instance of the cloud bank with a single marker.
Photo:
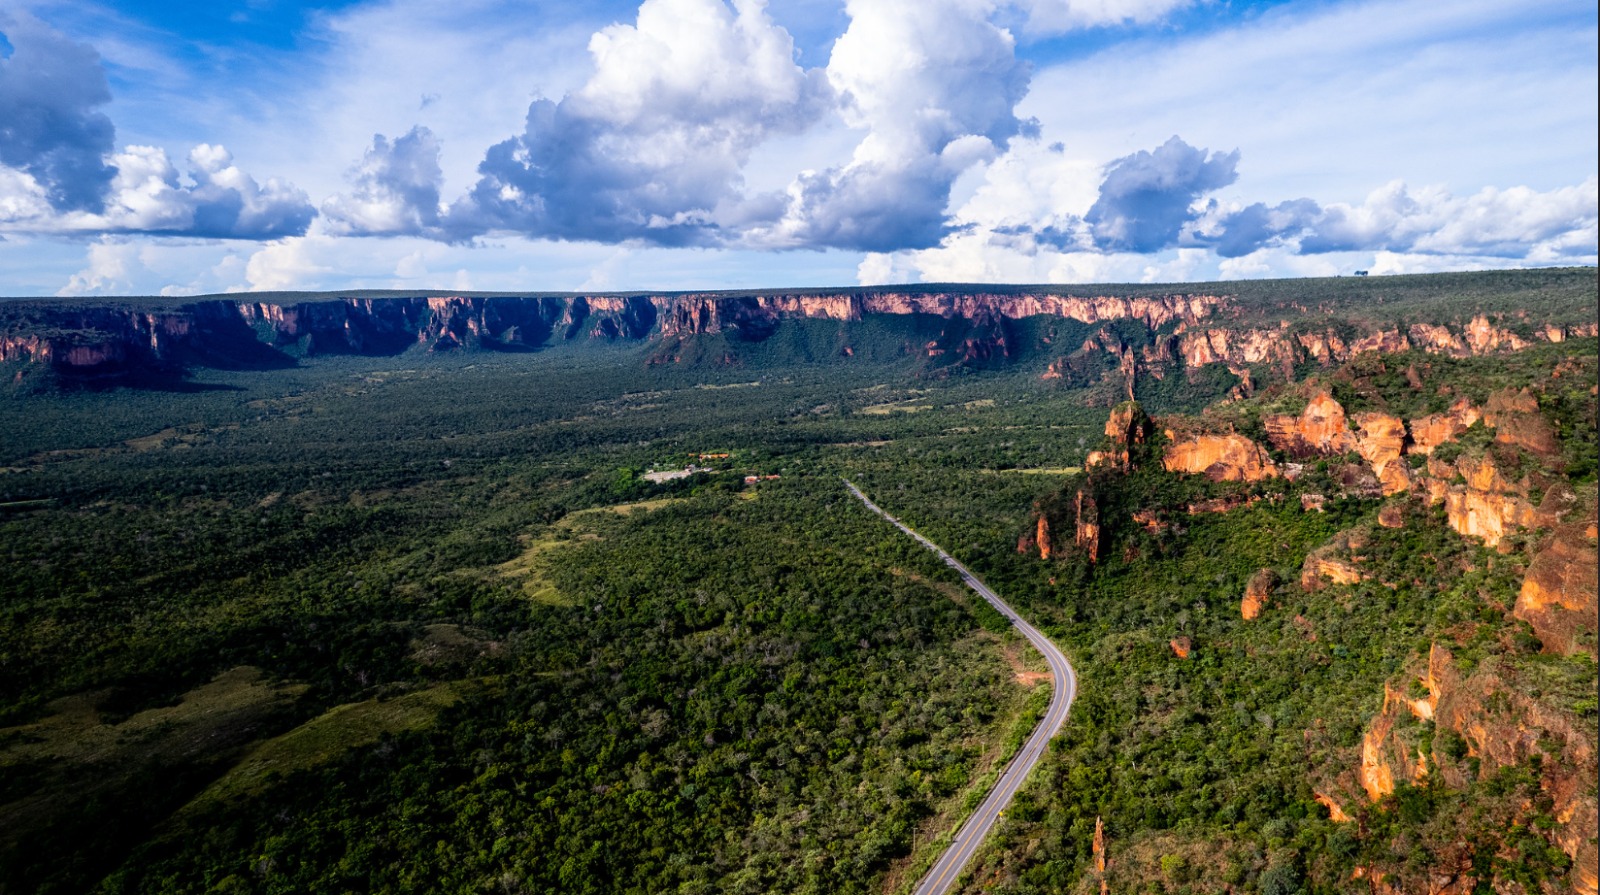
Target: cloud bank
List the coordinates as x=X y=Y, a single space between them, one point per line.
x=60 y=173
x=695 y=124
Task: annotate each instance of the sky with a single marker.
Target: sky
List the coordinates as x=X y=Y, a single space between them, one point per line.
x=236 y=145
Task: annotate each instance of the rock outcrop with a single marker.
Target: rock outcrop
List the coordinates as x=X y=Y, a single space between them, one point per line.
x=1319 y=430
x=1281 y=348
x=1223 y=458
x=1429 y=432
x=1336 y=562
x=1481 y=721
x=114 y=339
x=1257 y=593
x=1559 y=593
x=1381 y=442
x=1486 y=504
x=1127 y=428
x=1086 y=531
x=1516 y=420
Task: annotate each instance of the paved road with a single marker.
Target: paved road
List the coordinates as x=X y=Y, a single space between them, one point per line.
x=942 y=876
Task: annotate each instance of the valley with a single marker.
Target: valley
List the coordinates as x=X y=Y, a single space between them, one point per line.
x=376 y=592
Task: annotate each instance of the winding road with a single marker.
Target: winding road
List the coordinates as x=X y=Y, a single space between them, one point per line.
x=942 y=876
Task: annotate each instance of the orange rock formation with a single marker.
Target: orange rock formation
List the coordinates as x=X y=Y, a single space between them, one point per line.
x=1223 y=458
x=1559 y=593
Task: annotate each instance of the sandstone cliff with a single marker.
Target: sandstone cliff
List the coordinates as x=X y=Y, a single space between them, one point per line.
x=1221 y=458
x=1559 y=594
x=1445 y=726
x=1181 y=331
x=1128 y=428
x=112 y=339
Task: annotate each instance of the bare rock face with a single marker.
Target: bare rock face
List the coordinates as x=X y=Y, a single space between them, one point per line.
x=1392 y=515
x=1381 y=441
x=1335 y=561
x=1042 y=537
x=1386 y=341
x=1210 y=346
x=1128 y=427
x=1320 y=569
x=1429 y=432
x=1558 y=596
x=1501 y=724
x=115 y=340
x=1437 y=340
x=1257 y=593
x=1488 y=506
x=1336 y=812
x=1222 y=458
x=1321 y=429
x=1483 y=337
x=1086 y=532
x=1516 y=420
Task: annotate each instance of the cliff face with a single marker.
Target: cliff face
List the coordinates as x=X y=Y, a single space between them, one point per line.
x=1461 y=727
x=1429 y=432
x=1182 y=331
x=1221 y=458
x=114 y=340
x=1127 y=428
x=1257 y=593
x=1559 y=594
x=1281 y=349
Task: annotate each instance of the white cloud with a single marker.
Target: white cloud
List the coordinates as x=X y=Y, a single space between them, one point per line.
x=146 y=196
x=652 y=145
x=1509 y=223
x=1055 y=16
x=934 y=83
x=298 y=262
x=1326 y=100
x=112 y=268
x=396 y=189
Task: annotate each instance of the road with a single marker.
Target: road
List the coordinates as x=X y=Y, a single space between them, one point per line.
x=941 y=877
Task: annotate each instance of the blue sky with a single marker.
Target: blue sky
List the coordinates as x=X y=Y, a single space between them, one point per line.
x=151 y=147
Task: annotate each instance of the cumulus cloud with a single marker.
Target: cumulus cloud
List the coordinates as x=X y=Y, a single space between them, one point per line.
x=225 y=202
x=147 y=195
x=1151 y=218
x=1493 y=222
x=935 y=84
x=59 y=173
x=651 y=147
x=1241 y=231
x=111 y=267
x=51 y=89
x=397 y=188
x=1146 y=198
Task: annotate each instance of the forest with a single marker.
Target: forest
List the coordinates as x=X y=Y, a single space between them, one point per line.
x=422 y=623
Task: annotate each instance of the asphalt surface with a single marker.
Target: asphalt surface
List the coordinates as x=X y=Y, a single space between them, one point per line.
x=942 y=876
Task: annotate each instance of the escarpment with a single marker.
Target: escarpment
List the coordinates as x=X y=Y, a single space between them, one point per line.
x=1079 y=338
x=1469 y=729
x=89 y=340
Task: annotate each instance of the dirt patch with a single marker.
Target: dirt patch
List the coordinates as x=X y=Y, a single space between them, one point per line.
x=1012 y=650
